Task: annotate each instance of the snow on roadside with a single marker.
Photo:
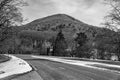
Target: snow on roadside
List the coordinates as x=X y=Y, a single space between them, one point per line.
x=14 y=66
x=80 y=63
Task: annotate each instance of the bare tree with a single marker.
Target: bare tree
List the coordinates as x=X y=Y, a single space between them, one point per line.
x=9 y=15
x=113 y=18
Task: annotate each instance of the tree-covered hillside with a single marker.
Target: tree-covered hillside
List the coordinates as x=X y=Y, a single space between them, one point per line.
x=45 y=30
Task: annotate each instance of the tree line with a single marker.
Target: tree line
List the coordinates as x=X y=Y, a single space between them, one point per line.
x=103 y=44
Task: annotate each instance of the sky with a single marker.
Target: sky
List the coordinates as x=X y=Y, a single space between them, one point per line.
x=88 y=11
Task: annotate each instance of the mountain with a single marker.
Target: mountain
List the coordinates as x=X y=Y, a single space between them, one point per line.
x=52 y=22
x=50 y=26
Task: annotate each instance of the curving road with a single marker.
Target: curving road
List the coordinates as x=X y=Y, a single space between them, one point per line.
x=50 y=70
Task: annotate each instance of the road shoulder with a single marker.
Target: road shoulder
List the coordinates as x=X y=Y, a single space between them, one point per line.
x=4 y=58
x=33 y=75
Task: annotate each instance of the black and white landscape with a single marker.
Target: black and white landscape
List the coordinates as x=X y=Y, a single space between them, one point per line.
x=59 y=40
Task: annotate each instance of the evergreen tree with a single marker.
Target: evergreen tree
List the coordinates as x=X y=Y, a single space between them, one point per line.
x=81 y=40
x=59 y=48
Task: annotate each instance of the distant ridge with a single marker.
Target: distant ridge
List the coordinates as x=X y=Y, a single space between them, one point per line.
x=51 y=22
x=48 y=27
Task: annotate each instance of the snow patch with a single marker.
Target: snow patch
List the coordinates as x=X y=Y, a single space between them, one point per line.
x=14 y=66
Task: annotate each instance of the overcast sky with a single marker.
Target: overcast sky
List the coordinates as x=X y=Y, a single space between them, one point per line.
x=89 y=11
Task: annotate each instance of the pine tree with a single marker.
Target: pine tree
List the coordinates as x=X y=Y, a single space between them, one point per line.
x=81 y=39
x=60 y=45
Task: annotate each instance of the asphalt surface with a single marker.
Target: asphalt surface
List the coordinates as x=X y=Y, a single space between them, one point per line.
x=50 y=70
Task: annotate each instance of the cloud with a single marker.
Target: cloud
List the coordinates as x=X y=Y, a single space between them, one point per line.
x=65 y=6
x=71 y=6
x=90 y=3
x=38 y=9
x=88 y=11
x=93 y=13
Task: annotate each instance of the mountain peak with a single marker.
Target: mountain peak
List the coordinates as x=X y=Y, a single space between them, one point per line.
x=52 y=22
x=62 y=17
x=65 y=16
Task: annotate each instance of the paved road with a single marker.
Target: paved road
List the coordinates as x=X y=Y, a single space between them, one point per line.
x=50 y=70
